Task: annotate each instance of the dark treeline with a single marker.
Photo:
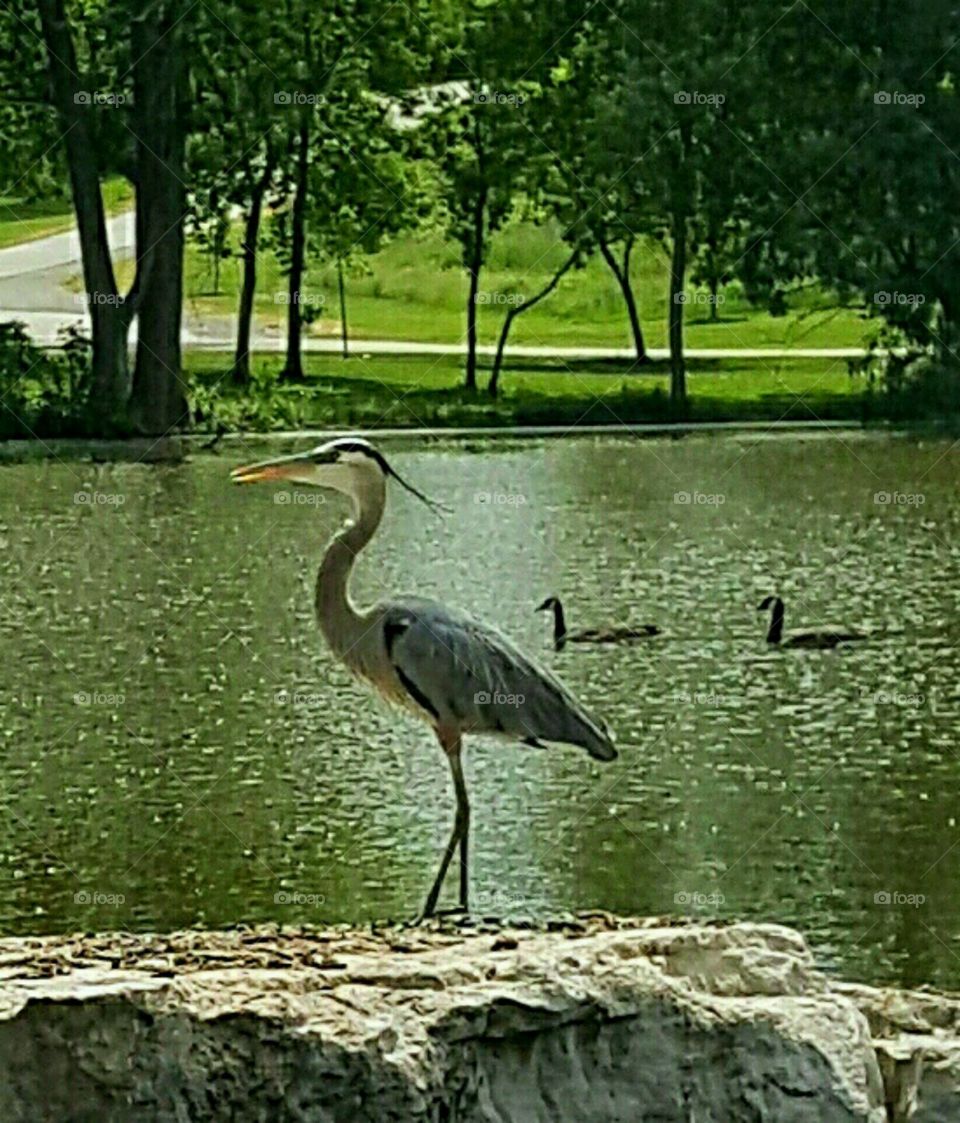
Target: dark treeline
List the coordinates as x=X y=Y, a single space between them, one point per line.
x=776 y=144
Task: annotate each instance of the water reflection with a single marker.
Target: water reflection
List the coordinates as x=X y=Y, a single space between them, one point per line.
x=178 y=747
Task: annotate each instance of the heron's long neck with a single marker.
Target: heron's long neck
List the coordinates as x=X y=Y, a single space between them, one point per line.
x=342 y=625
x=559 y=625
x=776 y=622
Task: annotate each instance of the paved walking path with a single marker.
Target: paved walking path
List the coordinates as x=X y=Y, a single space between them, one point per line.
x=32 y=289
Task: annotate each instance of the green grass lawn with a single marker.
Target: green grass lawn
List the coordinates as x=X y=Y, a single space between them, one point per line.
x=415 y=289
x=387 y=392
x=23 y=221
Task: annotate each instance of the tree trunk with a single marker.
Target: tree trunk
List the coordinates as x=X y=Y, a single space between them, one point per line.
x=493 y=385
x=240 y=374
x=110 y=386
x=714 y=292
x=158 y=403
x=474 y=267
x=293 y=368
x=343 y=310
x=678 y=269
x=622 y=275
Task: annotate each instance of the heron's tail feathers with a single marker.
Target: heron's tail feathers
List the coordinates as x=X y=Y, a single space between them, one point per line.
x=600 y=744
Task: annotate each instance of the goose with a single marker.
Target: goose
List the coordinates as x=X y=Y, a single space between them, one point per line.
x=591 y=635
x=823 y=639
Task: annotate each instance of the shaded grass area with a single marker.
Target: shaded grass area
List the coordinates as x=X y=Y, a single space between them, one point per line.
x=405 y=392
x=415 y=289
x=24 y=220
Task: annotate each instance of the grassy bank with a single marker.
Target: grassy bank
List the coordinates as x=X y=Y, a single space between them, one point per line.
x=22 y=220
x=407 y=392
x=415 y=289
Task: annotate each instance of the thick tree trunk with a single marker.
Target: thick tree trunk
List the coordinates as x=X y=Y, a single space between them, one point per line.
x=293 y=368
x=622 y=275
x=240 y=374
x=342 y=291
x=158 y=403
x=109 y=319
x=714 y=294
x=474 y=267
x=678 y=269
x=493 y=386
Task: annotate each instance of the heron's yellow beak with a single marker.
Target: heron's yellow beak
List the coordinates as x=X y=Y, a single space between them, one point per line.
x=282 y=468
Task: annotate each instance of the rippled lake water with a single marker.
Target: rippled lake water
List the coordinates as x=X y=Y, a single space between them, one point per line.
x=178 y=748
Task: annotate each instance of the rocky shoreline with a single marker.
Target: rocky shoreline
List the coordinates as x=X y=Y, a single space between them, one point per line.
x=590 y=1018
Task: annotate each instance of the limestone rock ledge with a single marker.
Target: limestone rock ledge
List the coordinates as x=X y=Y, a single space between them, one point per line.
x=594 y=1018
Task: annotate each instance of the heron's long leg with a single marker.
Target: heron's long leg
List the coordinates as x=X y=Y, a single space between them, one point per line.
x=461 y=827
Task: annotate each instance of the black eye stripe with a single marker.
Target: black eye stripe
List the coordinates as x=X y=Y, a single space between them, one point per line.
x=365 y=450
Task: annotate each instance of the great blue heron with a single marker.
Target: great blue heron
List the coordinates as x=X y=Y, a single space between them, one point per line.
x=561 y=637
x=823 y=638
x=451 y=671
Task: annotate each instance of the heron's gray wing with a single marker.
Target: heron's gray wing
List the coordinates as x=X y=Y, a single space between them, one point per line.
x=469 y=677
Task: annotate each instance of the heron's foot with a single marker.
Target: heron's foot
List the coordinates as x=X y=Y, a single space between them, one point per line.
x=441 y=914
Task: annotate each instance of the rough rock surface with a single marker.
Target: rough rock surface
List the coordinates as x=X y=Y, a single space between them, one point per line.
x=591 y=1019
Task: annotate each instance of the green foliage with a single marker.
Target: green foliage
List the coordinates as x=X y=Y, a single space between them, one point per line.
x=41 y=391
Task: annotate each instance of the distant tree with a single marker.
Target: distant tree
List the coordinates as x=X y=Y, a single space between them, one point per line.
x=676 y=112
x=117 y=80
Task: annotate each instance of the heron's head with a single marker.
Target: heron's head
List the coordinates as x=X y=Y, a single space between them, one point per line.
x=548 y=604
x=767 y=603
x=349 y=465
